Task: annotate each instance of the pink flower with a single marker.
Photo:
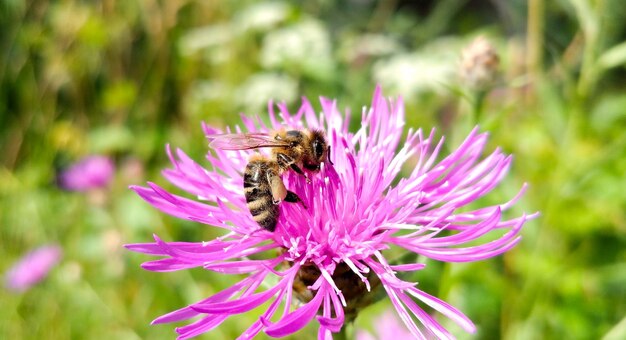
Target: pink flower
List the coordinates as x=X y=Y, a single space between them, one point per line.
x=32 y=268
x=332 y=254
x=89 y=173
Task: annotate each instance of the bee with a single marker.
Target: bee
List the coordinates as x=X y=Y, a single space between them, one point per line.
x=263 y=186
x=354 y=290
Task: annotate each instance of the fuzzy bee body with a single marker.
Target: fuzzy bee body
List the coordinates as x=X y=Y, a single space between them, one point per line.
x=262 y=183
x=354 y=290
x=258 y=192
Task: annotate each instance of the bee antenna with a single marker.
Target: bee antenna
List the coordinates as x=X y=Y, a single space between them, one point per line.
x=329 y=160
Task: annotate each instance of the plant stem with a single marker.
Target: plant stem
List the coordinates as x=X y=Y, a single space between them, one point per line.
x=535 y=37
x=343 y=333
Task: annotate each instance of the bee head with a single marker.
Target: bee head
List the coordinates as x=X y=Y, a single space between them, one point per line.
x=318 y=150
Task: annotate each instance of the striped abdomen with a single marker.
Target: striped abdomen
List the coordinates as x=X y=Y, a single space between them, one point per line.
x=257 y=190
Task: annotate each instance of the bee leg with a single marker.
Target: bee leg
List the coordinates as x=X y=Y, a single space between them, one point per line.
x=277 y=187
x=328 y=157
x=285 y=161
x=292 y=197
x=299 y=171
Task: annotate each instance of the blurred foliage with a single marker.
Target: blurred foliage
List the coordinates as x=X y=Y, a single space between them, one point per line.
x=124 y=78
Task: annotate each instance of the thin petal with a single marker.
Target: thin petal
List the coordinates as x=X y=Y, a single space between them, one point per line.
x=295 y=321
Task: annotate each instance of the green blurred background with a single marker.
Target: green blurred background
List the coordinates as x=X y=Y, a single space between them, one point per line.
x=123 y=78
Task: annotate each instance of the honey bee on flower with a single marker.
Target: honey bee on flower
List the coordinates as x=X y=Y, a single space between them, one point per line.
x=262 y=184
x=330 y=257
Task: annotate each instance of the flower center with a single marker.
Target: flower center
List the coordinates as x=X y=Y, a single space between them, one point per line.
x=349 y=283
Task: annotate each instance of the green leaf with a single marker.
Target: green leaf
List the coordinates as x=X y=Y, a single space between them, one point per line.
x=613 y=57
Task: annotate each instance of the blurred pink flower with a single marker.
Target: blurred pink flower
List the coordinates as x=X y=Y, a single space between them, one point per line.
x=387 y=327
x=330 y=255
x=32 y=268
x=89 y=173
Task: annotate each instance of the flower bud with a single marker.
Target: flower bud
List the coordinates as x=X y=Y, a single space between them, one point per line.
x=479 y=64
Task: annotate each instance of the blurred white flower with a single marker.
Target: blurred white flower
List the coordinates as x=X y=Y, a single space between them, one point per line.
x=261 y=16
x=432 y=68
x=372 y=45
x=256 y=17
x=305 y=45
x=254 y=94
x=412 y=73
x=205 y=90
x=205 y=37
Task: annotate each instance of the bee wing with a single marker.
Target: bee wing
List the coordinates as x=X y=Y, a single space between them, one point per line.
x=244 y=141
